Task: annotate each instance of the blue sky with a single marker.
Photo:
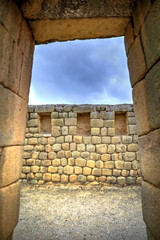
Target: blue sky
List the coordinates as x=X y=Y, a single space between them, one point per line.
x=81 y=72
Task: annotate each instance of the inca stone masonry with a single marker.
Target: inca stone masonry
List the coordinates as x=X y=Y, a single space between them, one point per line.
x=81 y=143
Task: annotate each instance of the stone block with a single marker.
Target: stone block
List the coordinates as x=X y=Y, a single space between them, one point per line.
x=94 y=156
x=152 y=92
x=109 y=123
x=102 y=179
x=80 y=162
x=129 y=37
x=54 y=115
x=95 y=131
x=55 y=177
x=43 y=169
x=135 y=165
x=82 y=179
x=73 y=130
x=111 y=148
x=57 y=122
x=150 y=35
x=103 y=131
x=96 y=140
x=90 y=148
x=119 y=164
x=129 y=156
x=116 y=172
x=67 y=108
x=77 y=139
x=56 y=162
x=125 y=173
x=101 y=148
x=90 y=178
x=64 y=178
x=111 y=180
x=39 y=148
x=60 y=170
x=116 y=140
x=30 y=162
x=120 y=148
x=109 y=164
x=132 y=129
x=96 y=123
x=139 y=14
x=48 y=148
x=95 y=115
x=131 y=121
x=106 y=140
x=46 y=163
x=63 y=161
x=75 y=154
x=87 y=140
x=51 y=140
x=56 y=131
x=70 y=121
x=150 y=157
x=141 y=108
x=78 y=170
x=9 y=209
x=151 y=207
x=52 y=169
x=47 y=177
x=91 y=164
x=73 y=178
x=43 y=155
x=133 y=147
x=136 y=62
x=64 y=130
x=56 y=147
x=133 y=173
x=68 y=170
x=126 y=139
x=60 y=139
x=81 y=147
x=68 y=138
x=71 y=161
x=99 y=164
x=107 y=172
x=111 y=132
x=38 y=176
x=72 y=115
x=35 y=169
x=52 y=155
x=26 y=169
x=87 y=171
x=97 y=171
x=10 y=165
x=131 y=180
x=11 y=107
x=32 y=141
x=33 y=123
x=68 y=154
x=30 y=176
x=65 y=146
x=73 y=146
x=34 y=130
x=121 y=180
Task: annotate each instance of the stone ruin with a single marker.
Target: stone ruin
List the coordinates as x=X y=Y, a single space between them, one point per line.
x=81 y=143
x=24 y=23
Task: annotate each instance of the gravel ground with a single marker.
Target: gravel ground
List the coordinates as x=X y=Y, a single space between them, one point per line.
x=80 y=213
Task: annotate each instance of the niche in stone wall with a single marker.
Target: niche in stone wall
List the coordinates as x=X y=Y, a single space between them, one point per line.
x=120 y=123
x=45 y=123
x=83 y=124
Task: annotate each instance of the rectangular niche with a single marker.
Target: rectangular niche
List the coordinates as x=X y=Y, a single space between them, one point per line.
x=120 y=123
x=45 y=123
x=83 y=124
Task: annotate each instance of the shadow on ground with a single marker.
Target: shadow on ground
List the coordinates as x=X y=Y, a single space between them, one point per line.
x=80 y=213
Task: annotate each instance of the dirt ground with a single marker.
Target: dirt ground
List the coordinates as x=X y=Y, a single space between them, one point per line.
x=80 y=213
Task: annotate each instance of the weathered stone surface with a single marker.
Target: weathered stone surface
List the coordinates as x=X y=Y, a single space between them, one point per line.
x=99 y=164
x=121 y=180
x=141 y=108
x=56 y=147
x=109 y=164
x=129 y=37
x=120 y=148
x=81 y=147
x=119 y=164
x=56 y=131
x=82 y=178
x=107 y=172
x=77 y=139
x=75 y=154
x=95 y=131
x=90 y=148
x=68 y=138
x=73 y=178
x=47 y=177
x=55 y=177
x=152 y=92
x=11 y=107
x=96 y=123
x=68 y=170
x=116 y=172
x=101 y=148
x=35 y=169
x=150 y=157
x=136 y=62
x=87 y=171
x=151 y=207
x=150 y=35
x=133 y=147
x=106 y=140
x=70 y=121
x=72 y=130
x=80 y=162
x=9 y=209
x=10 y=165
x=105 y=157
x=96 y=140
x=46 y=163
x=52 y=169
x=91 y=163
x=111 y=132
x=96 y=171
x=129 y=156
x=57 y=122
x=64 y=178
x=111 y=148
x=56 y=162
x=132 y=129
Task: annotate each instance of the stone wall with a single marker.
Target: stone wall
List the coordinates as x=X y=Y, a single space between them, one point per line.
x=81 y=143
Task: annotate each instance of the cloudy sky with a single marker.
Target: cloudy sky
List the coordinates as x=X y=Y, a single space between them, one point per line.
x=79 y=72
